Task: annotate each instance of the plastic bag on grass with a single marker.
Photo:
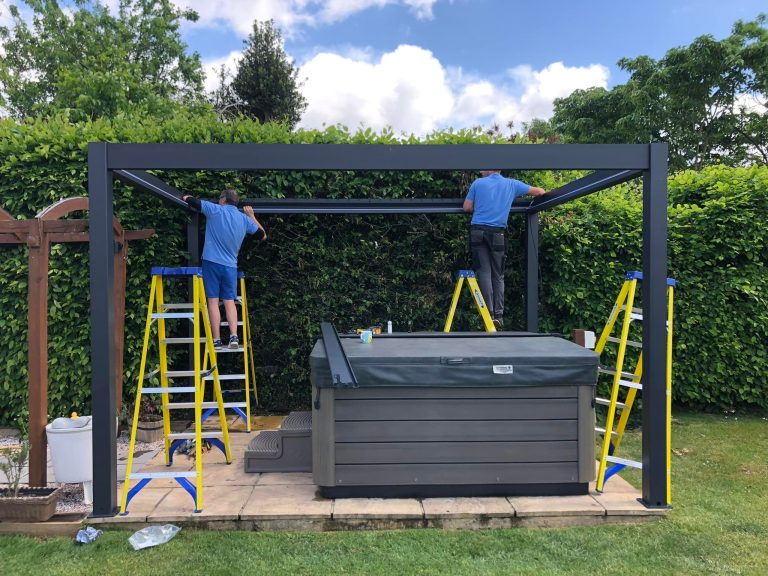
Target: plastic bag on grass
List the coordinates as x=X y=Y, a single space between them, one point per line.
x=87 y=535
x=152 y=536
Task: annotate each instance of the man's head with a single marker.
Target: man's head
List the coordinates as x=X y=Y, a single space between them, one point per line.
x=485 y=173
x=229 y=197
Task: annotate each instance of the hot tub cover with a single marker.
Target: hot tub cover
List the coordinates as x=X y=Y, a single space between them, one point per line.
x=461 y=362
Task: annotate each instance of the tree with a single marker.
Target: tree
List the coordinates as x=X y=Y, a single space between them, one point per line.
x=707 y=100
x=97 y=64
x=266 y=82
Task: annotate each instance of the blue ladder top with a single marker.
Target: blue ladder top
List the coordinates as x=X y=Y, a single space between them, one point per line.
x=465 y=274
x=635 y=275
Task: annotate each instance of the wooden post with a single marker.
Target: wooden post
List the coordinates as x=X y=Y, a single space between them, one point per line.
x=37 y=314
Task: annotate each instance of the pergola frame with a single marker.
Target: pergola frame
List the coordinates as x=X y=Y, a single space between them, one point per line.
x=612 y=164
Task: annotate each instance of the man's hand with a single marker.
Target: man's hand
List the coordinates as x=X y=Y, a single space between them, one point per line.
x=248 y=210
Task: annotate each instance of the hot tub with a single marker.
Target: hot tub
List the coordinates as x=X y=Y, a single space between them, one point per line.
x=448 y=415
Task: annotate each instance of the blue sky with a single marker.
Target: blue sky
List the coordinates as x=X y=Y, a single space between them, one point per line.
x=422 y=65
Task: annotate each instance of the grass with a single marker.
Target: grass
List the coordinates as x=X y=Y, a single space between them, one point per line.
x=718 y=525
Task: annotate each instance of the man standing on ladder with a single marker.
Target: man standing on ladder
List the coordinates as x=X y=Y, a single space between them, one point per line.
x=225 y=229
x=489 y=200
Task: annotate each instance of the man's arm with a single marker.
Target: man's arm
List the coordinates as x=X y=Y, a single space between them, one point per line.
x=534 y=191
x=192 y=201
x=261 y=232
x=469 y=206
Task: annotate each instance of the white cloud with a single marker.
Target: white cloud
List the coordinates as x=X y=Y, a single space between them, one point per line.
x=410 y=91
x=290 y=15
x=212 y=67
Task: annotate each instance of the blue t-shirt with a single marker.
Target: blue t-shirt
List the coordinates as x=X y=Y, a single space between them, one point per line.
x=225 y=228
x=493 y=196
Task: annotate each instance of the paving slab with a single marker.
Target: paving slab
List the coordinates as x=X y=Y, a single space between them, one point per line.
x=286 y=501
x=278 y=478
x=497 y=507
x=218 y=505
x=378 y=508
x=626 y=504
x=584 y=505
x=139 y=507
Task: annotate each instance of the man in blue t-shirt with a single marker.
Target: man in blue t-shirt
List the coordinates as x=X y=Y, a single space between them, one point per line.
x=489 y=201
x=225 y=229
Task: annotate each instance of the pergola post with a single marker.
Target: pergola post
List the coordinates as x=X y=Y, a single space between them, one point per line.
x=37 y=357
x=654 y=328
x=532 y=272
x=102 y=331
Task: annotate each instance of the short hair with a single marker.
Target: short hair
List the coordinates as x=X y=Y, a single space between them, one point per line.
x=231 y=196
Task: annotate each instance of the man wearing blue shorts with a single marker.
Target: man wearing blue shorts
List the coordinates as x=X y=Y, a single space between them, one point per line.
x=489 y=201
x=225 y=229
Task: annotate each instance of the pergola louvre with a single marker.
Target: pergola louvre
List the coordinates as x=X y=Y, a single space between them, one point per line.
x=612 y=164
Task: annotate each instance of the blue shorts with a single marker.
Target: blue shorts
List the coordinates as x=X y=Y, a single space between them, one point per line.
x=220 y=281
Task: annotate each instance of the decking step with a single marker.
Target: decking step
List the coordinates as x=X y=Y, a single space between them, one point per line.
x=297 y=423
x=266 y=444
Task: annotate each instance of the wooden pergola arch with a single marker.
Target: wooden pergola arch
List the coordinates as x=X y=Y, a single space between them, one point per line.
x=39 y=233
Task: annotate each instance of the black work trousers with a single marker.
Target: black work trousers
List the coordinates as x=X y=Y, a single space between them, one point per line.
x=489 y=255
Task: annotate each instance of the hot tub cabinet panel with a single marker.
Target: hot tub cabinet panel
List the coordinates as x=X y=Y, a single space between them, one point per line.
x=426 y=439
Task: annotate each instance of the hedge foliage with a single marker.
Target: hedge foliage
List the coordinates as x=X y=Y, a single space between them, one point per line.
x=361 y=270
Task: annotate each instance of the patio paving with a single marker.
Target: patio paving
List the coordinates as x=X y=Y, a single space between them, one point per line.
x=236 y=500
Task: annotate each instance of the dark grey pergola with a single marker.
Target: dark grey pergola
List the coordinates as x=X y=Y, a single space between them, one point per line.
x=612 y=164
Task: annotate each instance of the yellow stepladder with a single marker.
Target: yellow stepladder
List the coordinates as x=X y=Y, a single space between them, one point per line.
x=241 y=407
x=632 y=381
x=197 y=313
x=474 y=289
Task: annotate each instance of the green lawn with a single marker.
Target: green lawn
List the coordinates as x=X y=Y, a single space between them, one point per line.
x=719 y=525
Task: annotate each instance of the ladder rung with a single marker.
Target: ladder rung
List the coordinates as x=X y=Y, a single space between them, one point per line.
x=630 y=384
x=191 y=435
x=179 y=373
x=624 y=461
x=225 y=349
x=602 y=431
x=188 y=315
x=227 y=377
x=182 y=340
x=205 y=405
x=178 y=306
x=150 y=475
x=612 y=371
x=239 y=323
x=168 y=390
x=629 y=342
x=607 y=402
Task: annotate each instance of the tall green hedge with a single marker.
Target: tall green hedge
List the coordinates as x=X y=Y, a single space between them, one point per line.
x=362 y=270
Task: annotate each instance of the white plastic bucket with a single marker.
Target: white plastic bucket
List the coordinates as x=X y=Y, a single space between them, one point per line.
x=71 y=447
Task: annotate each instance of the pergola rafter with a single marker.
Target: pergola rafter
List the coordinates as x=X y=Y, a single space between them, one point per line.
x=612 y=163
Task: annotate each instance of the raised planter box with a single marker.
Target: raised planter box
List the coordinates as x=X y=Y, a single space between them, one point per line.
x=32 y=504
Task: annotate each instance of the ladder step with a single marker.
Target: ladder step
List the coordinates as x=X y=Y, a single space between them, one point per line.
x=227 y=377
x=204 y=405
x=612 y=371
x=178 y=306
x=629 y=342
x=150 y=475
x=607 y=402
x=239 y=323
x=602 y=431
x=624 y=461
x=183 y=340
x=227 y=350
x=168 y=390
x=630 y=384
x=188 y=373
x=165 y=315
x=191 y=435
